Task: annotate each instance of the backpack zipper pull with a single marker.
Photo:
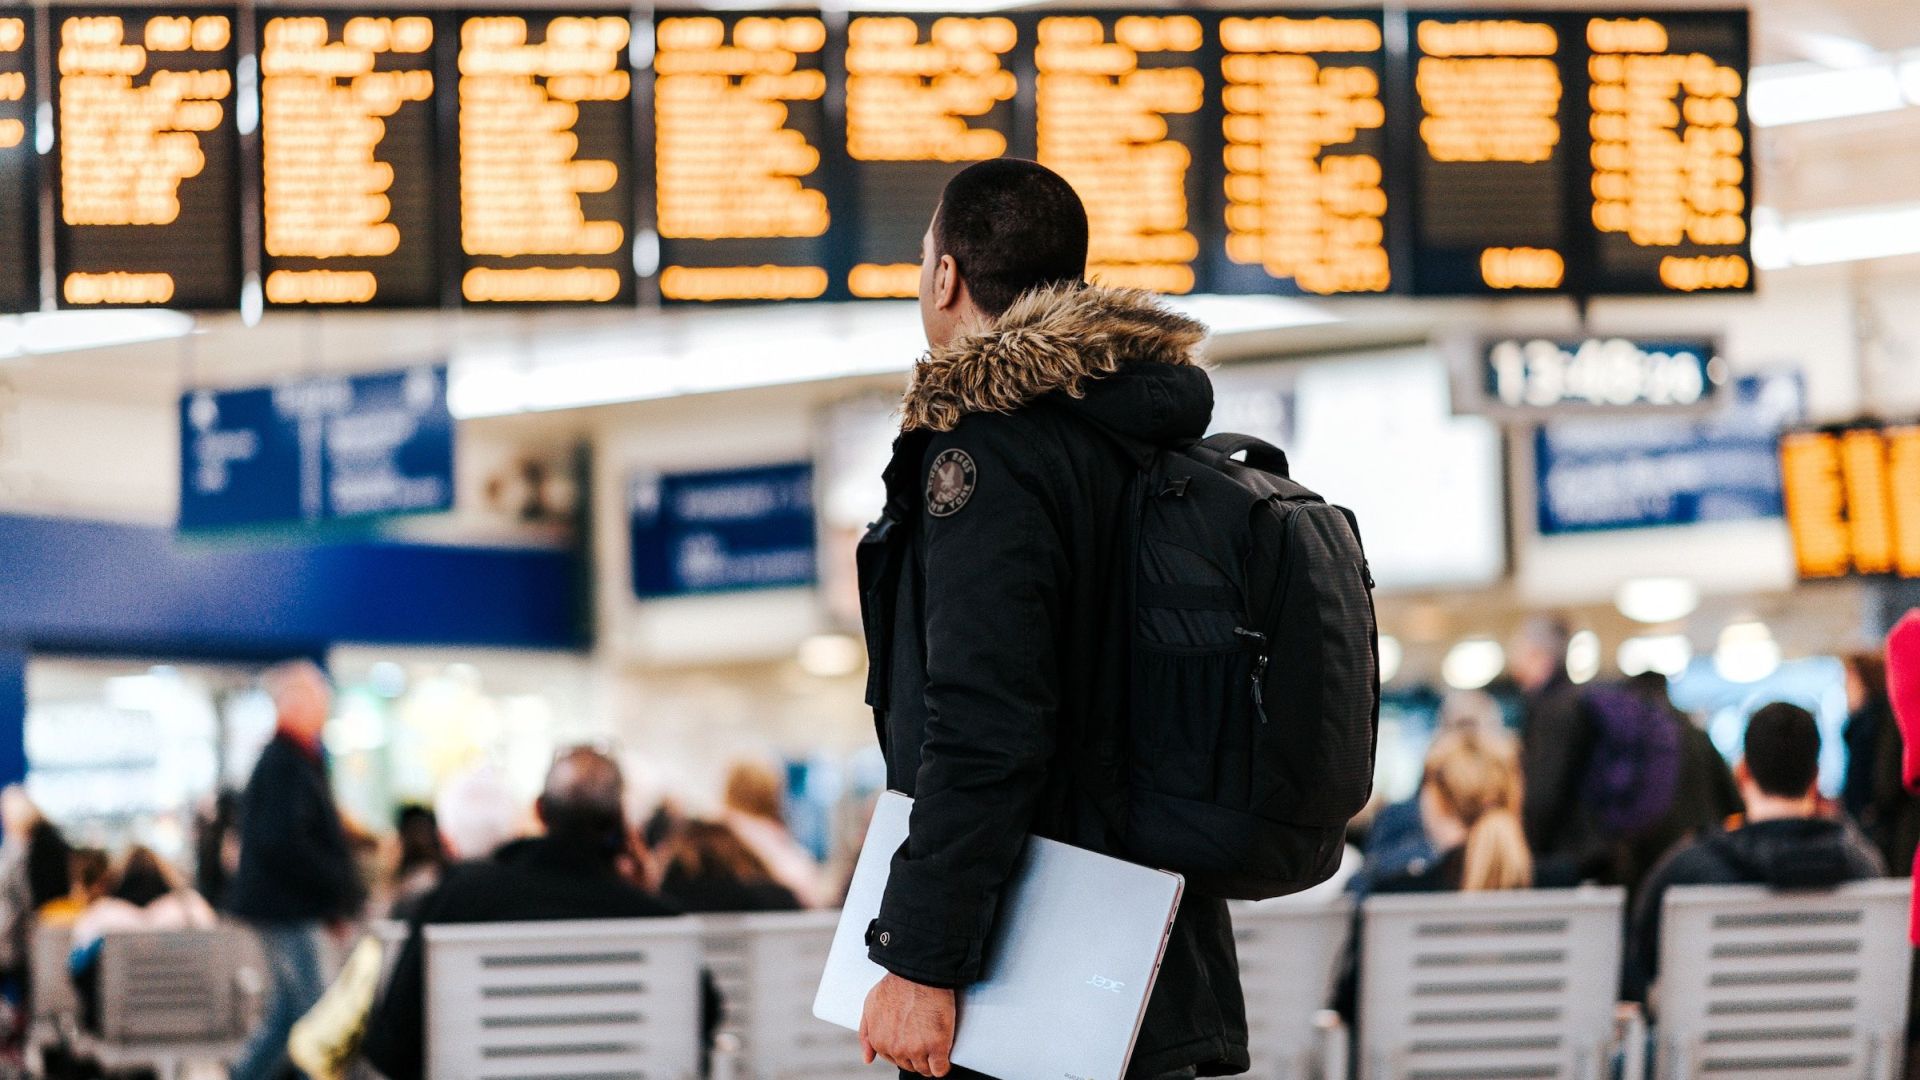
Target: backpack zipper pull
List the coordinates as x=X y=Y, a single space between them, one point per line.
x=1259 y=677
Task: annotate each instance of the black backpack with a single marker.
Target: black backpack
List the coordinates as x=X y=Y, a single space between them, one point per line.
x=1255 y=696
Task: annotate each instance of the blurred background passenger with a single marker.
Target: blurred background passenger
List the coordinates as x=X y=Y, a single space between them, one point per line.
x=478 y=813
x=1874 y=791
x=297 y=874
x=1781 y=840
x=754 y=810
x=1704 y=793
x=89 y=876
x=1470 y=801
x=1556 y=740
x=1397 y=839
x=143 y=894
x=423 y=854
x=216 y=846
x=33 y=871
x=709 y=869
x=572 y=871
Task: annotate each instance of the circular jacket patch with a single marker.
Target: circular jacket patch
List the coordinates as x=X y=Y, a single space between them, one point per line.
x=949 y=483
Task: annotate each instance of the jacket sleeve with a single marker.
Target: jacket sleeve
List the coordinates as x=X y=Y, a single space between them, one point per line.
x=1903 y=689
x=995 y=572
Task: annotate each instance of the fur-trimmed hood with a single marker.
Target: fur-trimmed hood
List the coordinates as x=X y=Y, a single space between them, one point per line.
x=1142 y=357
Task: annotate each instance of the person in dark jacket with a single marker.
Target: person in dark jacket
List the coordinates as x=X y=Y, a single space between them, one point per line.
x=1780 y=841
x=570 y=872
x=1705 y=795
x=1556 y=743
x=996 y=636
x=1874 y=791
x=296 y=878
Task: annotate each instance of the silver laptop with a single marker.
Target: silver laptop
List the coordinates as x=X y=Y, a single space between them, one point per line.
x=1068 y=968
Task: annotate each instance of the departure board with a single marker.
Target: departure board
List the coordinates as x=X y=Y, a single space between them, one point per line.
x=19 y=167
x=1853 y=500
x=1117 y=111
x=925 y=96
x=413 y=157
x=348 y=162
x=740 y=123
x=147 y=192
x=1493 y=173
x=1672 y=170
x=546 y=149
x=1305 y=143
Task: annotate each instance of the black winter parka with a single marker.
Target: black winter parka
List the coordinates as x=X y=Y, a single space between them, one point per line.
x=998 y=633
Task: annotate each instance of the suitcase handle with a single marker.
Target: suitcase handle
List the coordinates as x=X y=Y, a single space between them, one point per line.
x=1260 y=453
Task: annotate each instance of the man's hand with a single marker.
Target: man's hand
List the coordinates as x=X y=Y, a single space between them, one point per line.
x=909 y=1025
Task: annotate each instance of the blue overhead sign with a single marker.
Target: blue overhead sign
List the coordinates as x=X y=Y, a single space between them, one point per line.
x=1631 y=473
x=317 y=450
x=721 y=531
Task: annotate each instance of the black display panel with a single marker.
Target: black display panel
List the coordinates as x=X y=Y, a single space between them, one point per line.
x=1303 y=206
x=1671 y=192
x=740 y=132
x=924 y=95
x=19 y=167
x=1119 y=109
x=146 y=188
x=1495 y=165
x=349 y=163
x=543 y=112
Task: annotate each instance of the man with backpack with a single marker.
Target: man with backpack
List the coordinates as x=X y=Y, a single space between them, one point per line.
x=1002 y=626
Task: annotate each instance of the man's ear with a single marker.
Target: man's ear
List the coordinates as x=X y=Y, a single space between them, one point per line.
x=1741 y=774
x=948 y=289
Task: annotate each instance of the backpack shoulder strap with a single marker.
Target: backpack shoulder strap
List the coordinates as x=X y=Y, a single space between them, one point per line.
x=1261 y=454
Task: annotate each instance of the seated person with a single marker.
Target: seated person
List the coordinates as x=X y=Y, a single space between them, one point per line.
x=89 y=876
x=710 y=869
x=1781 y=840
x=1397 y=841
x=573 y=871
x=1470 y=808
x=145 y=895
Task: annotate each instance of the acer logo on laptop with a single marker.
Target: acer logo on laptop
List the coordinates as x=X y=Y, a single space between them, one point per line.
x=1101 y=982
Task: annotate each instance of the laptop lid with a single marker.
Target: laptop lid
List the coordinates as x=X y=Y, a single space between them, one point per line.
x=1069 y=967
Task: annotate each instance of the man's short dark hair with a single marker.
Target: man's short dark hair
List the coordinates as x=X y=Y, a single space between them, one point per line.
x=1011 y=226
x=1783 y=750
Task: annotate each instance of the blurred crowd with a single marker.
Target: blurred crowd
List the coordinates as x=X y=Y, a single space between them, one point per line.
x=281 y=858
x=1611 y=783
x=1605 y=782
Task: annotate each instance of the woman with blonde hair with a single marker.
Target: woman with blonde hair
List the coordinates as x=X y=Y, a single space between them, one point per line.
x=1470 y=804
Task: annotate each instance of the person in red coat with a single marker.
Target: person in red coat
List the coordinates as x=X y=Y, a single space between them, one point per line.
x=1903 y=687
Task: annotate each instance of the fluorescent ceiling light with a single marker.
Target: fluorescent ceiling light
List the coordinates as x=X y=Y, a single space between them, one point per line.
x=1657 y=600
x=831 y=656
x=1668 y=654
x=1249 y=314
x=1746 y=653
x=1473 y=663
x=1583 y=657
x=1391 y=655
x=1842 y=236
x=1802 y=93
x=68 y=331
x=699 y=352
